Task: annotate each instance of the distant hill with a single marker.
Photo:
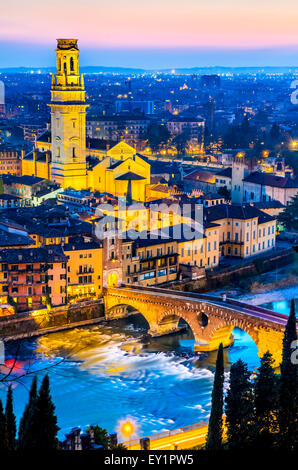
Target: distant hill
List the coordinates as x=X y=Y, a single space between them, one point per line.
x=126 y=70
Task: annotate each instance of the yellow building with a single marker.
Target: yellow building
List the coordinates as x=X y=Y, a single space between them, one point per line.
x=84 y=270
x=149 y=262
x=243 y=230
x=64 y=155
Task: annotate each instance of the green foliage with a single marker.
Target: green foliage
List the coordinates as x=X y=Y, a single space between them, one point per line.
x=181 y=141
x=214 y=438
x=224 y=192
x=101 y=436
x=289 y=216
x=11 y=302
x=48 y=298
x=266 y=394
x=27 y=422
x=119 y=447
x=1 y=186
x=44 y=420
x=239 y=407
x=10 y=423
x=288 y=404
x=157 y=135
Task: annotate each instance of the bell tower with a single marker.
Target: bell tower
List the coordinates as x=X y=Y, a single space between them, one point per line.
x=68 y=118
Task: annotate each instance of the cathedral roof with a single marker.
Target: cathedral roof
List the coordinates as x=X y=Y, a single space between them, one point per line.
x=129 y=176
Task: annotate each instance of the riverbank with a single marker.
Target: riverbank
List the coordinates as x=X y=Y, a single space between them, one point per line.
x=41 y=322
x=275 y=286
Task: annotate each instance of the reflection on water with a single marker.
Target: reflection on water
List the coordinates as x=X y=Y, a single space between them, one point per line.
x=282 y=306
x=103 y=373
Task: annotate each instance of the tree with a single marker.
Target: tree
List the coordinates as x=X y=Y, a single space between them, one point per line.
x=157 y=134
x=10 y=423
x=27 y=422
x=288 y=402
x=44 y=435
x=289 y=216
x=2 y=427
x=266 y=404
x=224 y=192
x=214 y=438
x=101 y=436
x=239 y=407
x=181 y=141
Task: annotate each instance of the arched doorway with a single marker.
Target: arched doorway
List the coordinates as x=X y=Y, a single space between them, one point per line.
x=113 y=280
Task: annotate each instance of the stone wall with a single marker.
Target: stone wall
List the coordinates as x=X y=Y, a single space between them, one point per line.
x=43 y=321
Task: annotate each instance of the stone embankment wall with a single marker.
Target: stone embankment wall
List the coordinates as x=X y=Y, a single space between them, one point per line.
x=44 y=321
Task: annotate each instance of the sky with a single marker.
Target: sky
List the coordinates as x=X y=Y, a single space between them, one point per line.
x=151 y=33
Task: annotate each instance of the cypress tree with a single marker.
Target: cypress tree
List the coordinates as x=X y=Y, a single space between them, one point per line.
x=266 y=395
x=288 y=403
x=26 y=426
x=45 y=421
x=2 y=427
x=214 y=438
x=239 y=407
x=10 y=423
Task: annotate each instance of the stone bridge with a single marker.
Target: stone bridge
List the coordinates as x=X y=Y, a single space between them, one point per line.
x=211 y=319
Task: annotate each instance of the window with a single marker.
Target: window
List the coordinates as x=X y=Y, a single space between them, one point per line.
x=162 y=272
x=215 y=245
x=209 y=247
x=247 y=250
x=236 y=236
x=236 y=251
x=247 y=237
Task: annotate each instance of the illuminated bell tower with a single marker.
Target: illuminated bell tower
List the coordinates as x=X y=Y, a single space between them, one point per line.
x=68 y=118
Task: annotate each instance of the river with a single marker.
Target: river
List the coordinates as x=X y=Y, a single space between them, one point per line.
x=104 y=373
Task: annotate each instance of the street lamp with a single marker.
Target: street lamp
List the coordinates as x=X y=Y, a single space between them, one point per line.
x=127 y=429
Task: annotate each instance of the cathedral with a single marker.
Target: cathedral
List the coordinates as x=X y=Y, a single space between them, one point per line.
x=65 y=155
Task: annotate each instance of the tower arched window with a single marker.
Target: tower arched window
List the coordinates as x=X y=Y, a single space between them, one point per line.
x=65 y=67
x=71 y=64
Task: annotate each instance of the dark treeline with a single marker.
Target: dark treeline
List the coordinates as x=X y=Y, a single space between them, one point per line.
x=260 y=412
x=38 y=425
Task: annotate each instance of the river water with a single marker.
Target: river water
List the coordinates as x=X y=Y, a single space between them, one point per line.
x=102 y=374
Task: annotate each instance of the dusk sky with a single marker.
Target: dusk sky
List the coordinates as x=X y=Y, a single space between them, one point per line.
x=151 y=33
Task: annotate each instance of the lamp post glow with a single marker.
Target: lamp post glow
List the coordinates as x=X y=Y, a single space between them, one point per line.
x=127 y=429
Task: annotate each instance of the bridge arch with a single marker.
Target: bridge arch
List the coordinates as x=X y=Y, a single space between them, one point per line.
x=124 y=309
x=222 y=332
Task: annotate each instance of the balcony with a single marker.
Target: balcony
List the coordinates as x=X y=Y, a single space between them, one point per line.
x=89 y=271
x=231 y=242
